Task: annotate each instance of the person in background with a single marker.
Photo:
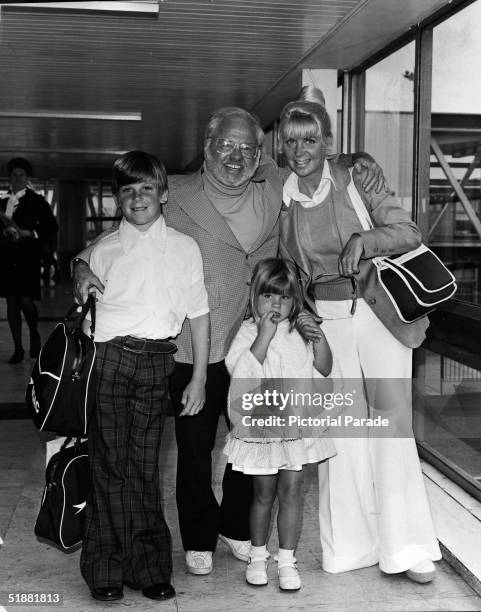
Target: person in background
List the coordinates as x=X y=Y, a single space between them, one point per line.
x=28 y=223
x=372 y=501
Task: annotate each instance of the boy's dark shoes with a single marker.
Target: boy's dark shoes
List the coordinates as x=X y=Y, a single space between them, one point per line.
x=163 y=590
x=107 y=593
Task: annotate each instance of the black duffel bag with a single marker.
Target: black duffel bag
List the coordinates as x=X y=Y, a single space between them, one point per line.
x=61 y=390
x=61 y=519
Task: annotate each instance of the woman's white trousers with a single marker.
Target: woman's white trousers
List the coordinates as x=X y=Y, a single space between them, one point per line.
x=373 y=506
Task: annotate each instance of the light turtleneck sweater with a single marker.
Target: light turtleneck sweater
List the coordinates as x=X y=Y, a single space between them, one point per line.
x=241 y=207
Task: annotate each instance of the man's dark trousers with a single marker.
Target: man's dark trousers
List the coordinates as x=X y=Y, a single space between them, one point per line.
x=200 y=517
x=126 y=538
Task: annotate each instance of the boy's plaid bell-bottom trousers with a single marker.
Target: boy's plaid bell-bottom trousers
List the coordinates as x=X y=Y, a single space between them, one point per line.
x=126 y=539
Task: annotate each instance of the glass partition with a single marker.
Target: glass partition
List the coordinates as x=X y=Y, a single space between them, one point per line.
x=455 y=170
x=447 y=383
x=448 y=417
x=388 y=119
x=102 y=211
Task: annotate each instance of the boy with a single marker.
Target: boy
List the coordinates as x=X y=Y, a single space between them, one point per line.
x=153 y=279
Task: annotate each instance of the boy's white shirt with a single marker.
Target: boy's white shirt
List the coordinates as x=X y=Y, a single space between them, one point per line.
x=153 y=280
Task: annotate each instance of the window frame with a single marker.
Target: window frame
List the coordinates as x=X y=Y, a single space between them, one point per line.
x=352 y=138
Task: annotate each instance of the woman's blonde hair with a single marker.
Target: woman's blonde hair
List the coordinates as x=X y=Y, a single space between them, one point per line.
x=311 y=93
x=278 y=276
x=306 y=116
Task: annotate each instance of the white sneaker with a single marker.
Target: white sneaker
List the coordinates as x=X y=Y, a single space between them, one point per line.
x=422 y=572
x=289 y=579
x=256 y=572
x=199 y=562
x=239 y=548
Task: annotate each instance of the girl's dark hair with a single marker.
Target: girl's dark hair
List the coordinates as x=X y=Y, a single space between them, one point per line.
x=20 y=162
x=138 y=166
x=277 y=276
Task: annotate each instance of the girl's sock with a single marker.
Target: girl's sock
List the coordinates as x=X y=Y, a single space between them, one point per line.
x=285 y=556
x=259 y=552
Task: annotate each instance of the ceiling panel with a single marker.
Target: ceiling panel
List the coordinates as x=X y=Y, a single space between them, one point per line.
x=175 y=69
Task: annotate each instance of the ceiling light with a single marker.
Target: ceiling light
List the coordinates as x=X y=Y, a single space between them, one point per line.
x=147 y=7
x=65 y=114
x=62 y=151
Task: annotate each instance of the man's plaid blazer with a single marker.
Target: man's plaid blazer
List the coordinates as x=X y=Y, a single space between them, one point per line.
x=227 y=267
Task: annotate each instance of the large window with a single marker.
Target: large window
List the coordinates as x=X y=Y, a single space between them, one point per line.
x=455 y=194
x=388 y=120
x=102 y=211
x=442 y=59
x=447 y=417
x=338 y=143
x=449 y=422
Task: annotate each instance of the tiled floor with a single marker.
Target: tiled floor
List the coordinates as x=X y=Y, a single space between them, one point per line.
x=29 y=565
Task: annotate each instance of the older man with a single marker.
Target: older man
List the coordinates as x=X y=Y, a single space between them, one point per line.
x=231 y=208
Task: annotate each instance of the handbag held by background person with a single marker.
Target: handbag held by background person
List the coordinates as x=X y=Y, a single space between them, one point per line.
x=416 y=282
x=61 y=518
x=61 y=390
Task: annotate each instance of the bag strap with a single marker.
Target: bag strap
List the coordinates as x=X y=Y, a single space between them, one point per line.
x=89 y=305
x=66 y=442
x=362 y=213
x=358 y=205
x=53 y=465
x=91 y=300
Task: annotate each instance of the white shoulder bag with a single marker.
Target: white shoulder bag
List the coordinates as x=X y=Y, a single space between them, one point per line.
x=416 y=282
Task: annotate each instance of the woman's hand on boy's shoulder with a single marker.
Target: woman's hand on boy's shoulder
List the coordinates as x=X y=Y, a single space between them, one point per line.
x=193 y=398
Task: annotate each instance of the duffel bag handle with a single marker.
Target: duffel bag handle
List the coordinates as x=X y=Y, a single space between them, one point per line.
x=89 y=305
x=77 y=442
x=52 y=466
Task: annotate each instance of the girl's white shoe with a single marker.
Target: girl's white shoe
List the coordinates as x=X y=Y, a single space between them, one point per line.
x=256 y=572
x=289 y=579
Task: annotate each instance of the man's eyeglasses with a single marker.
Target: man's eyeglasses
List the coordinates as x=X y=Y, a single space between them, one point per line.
x=353 y=280
x=225 y=146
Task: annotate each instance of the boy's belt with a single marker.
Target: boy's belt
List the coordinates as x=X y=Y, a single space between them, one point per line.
x=144 y=345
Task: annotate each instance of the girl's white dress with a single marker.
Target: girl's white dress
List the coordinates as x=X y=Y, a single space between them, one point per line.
x=288 y=357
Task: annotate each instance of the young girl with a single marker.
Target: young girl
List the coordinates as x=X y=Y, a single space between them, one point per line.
x=268 y=346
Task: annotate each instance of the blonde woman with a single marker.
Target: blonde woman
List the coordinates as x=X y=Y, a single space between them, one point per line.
x=373 y=505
